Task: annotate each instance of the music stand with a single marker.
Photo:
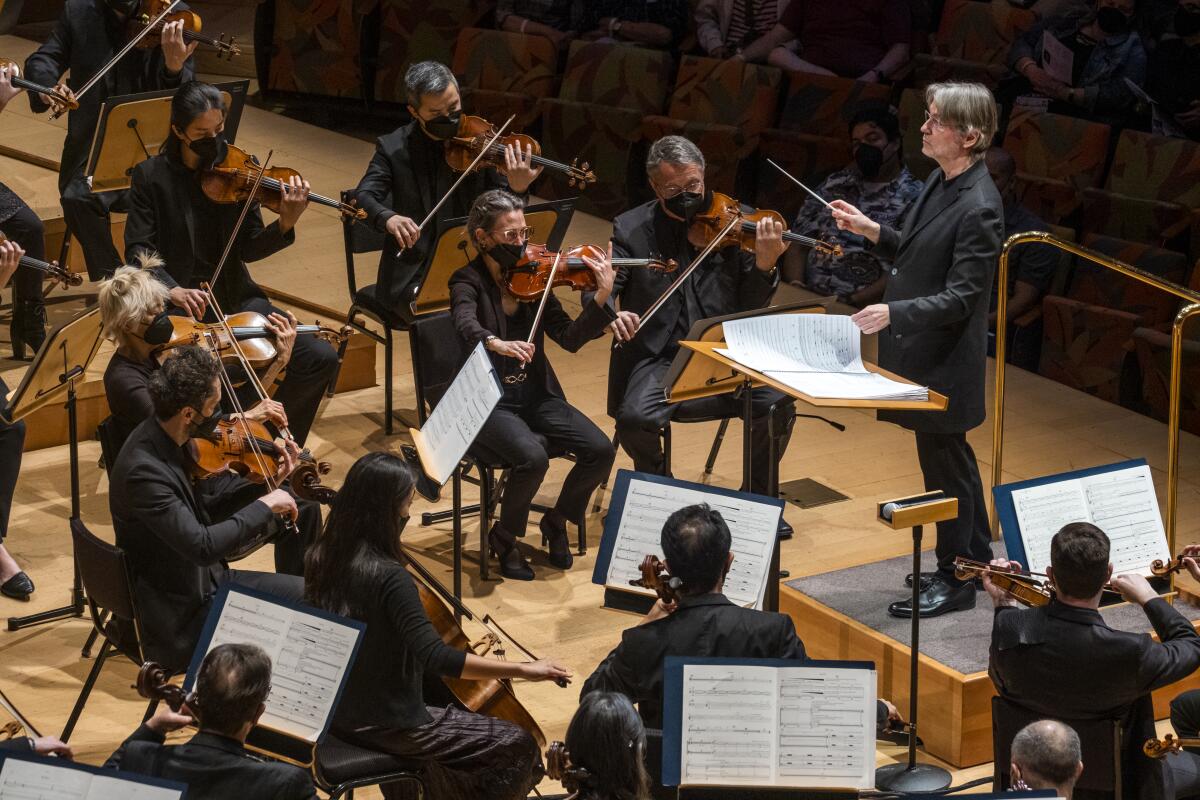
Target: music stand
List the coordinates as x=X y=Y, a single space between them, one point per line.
x=60 y=363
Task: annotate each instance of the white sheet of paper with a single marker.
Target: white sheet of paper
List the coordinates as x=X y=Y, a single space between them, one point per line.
x=752 y=524
x=45 y=780
x=309 y=659
x=459 y=416
x=811 y=727
x=850 y=385
x=1057 y=59
x=795 y=343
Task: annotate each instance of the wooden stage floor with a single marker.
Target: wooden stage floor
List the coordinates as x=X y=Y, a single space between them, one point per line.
x=1050 y=429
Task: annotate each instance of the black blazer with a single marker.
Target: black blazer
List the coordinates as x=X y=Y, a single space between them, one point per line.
x=478 y=313
x=727 y=282
x=170 y=215
x=214 y=767
x=937 y=296
x=705 y=626
x=22 y=744
x=85 y=37
x=175 y=553
x=409 y=170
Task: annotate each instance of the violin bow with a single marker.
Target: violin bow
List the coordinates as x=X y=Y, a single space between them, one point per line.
x=483 y=151
x=537 y=319
x=132 y=43
x=7 y=705
x=683 y=276
x=796 y=181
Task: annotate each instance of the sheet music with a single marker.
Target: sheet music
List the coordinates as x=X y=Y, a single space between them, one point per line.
x=309 y=659
x=1121 y=503
x=850 y=385
x=42 y=779
x=458 y=417
x=810 y=727
x=753 y=526
x=1057 y=59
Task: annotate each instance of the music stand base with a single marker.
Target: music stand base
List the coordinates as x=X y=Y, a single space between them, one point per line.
x=915 y=778
x=53 y=615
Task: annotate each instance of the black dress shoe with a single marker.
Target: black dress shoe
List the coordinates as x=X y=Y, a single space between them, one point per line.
x=559 y=545
x=936 y=599
x=925 y=578
x=18 y=587
x=785 y=530
x=512 y=563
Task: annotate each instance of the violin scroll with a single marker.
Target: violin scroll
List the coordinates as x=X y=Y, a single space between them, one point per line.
x=656 y=577
x=1164 y=568
x=1160 y=748
x=154 y=683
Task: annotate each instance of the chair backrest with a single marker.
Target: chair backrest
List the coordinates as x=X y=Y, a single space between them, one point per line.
x=1086 y=346
x=1054 y=145
x=410 y=31
x=436 y=355
x=618 y=76
x=980 y=31
x=110 y=441
x=726 y=92
x=359 y=237
x=1091 y=283
x=1156 y=168
x=103 y=572
x=502 y=61
x=1101 y=745
x=824 y=105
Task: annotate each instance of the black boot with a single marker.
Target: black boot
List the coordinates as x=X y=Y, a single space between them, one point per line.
x=28 y=328
x=512 y=563
x=554 y=535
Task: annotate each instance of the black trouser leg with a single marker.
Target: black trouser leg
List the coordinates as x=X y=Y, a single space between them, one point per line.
x=12 y=441
x=948 y=463
x=87 y=217
x=29 y=303
x=507 y=437
x=564 y=425
x=290 y=550
x=642 y=415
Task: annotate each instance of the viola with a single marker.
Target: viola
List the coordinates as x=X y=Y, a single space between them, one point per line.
x=248 y=328
x=56 y=96
x=527 y=279
x=724 y=209
x=232 y=180
x=238 y=444
x=656 y=577
x=51 y=270
x=1023 y=587
x=1160 y=748
x=154 y=683
x=150 y=9
x=475 y=132
x=1164 y=568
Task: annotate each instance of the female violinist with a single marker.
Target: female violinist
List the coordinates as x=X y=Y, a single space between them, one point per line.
x=356 y=569
x=170 y=214
x=533 y=401
x=14 y=582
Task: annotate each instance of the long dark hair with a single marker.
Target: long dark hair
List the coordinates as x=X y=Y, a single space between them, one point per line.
x=607 y=741
x=361 y=536
x=190 y=101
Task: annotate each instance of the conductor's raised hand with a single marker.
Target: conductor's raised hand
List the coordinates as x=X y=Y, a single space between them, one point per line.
x=873 y=318
x=849 y=218
x=602 y=269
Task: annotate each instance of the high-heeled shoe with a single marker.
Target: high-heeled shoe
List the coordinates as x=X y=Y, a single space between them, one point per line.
x=554 y=538
x=512 y=563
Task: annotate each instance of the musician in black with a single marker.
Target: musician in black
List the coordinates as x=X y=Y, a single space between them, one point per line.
x=230 y=695
x=356 y=569
x=177 y=554
x=533 y=415
x=170 y=215
x=408 y=175
x=87 y=35
x=729 y=281
x=14 y=582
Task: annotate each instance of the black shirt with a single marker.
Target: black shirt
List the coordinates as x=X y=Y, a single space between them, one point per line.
x=125 y=384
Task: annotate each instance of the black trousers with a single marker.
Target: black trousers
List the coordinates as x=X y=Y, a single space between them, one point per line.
x=28 y=325
x=87 y=217
x=1183 y=769
x=509 y=437
x=12 y=442
x=468 y=756
x=224 y=495
x=948 y=463
x=644 y=412
x=313 y=365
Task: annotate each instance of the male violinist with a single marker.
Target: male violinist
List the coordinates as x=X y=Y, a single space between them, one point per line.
x=87 y=35
x=730 y=280
x=409 y=174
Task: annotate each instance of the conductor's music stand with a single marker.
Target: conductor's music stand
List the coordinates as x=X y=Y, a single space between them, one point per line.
x=914 y=512
x=60 y=363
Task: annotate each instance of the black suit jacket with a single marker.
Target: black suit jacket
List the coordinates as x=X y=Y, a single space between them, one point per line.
x=937 y=297
x=22 y=744
x=478 y=313
x=409 y=170
x=85 y=37
x=727 y=282
x=175 y=553
x=214 y=767
x=170 y=215
x=705 y=626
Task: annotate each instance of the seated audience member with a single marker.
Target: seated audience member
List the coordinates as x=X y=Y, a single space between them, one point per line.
x=177 y=554
x=876 y=182
x=868 y=40
x=658 y=24
x=1045 y=755
x=1031 y=267
x=1175 y=75
x=38 y=746
x=606 y=749
x=1105 y=52
x=726 y=27
x=557 y=20
x=1062 y=660
x=230 y=695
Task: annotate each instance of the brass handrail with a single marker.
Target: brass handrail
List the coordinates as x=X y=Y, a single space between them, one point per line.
x=1140 y=275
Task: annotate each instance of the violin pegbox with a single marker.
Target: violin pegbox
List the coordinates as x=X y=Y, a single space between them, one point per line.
x=581 y=175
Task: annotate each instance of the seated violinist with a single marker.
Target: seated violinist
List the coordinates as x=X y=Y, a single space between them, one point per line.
x=356 y=569
x=14 y=582
x=133 y=305
x=730 y=280
x=485 y=310
x=177 y=553
x=171 y=216
x=606 y=750
x=409 y=174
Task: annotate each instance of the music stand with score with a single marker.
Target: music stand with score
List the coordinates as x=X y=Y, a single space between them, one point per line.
x=60 y=363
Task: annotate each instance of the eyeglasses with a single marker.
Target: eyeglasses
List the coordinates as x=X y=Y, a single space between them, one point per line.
x=693 y=187
x=514 y=235
x=934 y=121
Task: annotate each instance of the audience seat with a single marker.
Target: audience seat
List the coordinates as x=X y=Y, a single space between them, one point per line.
x=504 y=73
x=929 y=69
x=1153 y=349
x=809 y=158
x=980 y=31
x=823 y=105
x=1154 y=222
x=419 y=30
x=1057 y=158
x=314 y=51
x=1156 y=168
x=1086 y=346
x=1096 y=285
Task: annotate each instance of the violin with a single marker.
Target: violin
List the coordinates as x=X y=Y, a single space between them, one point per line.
x=232 y=179
x=527 y=279
x=1024 y=587
x=237 y=444
x=154 y=683
x=1160 y=748
x=150 y=9
x=1164 y=568
x=248 y=328
x=475 y=132
x=56 y=96
x=51 y=270
x=656 y=577
x=724 y=209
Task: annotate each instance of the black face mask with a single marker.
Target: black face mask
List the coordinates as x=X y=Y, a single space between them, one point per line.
x=869 y=159
x=506 y=255
x=443 y=127
x=688 y=204
x=160 y=330
x=1112 y=20
x=211 y=150
x=204 y=426
x=1187 y=21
